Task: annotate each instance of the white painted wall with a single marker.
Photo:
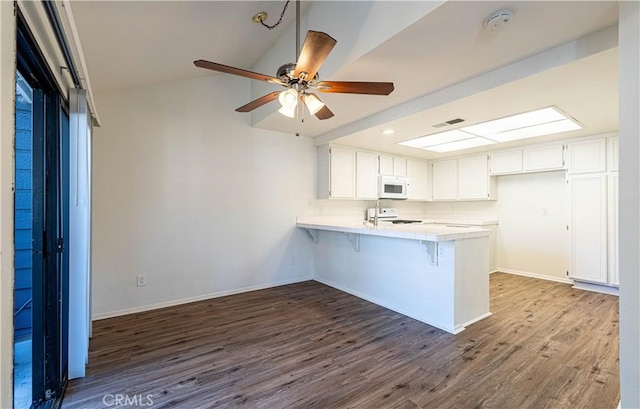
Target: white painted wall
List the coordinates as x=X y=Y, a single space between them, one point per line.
x=187 y=193
x=529 y=241
x=629 y=211
x=7 y=131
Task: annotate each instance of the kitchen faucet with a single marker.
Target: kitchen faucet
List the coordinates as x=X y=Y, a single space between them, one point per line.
x=378 y=209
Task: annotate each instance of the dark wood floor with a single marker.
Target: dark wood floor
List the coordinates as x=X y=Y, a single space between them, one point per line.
x=310 y=346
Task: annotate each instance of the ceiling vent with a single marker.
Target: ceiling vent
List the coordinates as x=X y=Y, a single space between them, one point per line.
x=449 y=122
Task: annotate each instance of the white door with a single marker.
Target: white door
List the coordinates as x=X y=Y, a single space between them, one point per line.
x=445 y=180
x=366 y=175
x=343 y=172
x=473 y=177
x=417 y=173
x=588 y=228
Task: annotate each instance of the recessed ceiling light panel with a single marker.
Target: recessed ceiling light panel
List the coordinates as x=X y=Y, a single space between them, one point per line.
x=437 y=138
x=546 y=121
x=388 y=131
x=460 y=145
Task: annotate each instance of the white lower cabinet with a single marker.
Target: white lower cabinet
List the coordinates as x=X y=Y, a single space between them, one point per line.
x=588 y=228
x=417 y=173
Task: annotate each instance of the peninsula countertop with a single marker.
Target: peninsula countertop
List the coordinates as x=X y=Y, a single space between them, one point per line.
x=428 y=230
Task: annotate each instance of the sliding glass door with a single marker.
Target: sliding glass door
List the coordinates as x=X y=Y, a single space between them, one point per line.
x=48 y=222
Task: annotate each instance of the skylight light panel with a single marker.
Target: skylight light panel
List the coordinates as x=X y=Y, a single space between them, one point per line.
x=564 y=125
x=437 y=138
x=510 y=123
x=459 y=145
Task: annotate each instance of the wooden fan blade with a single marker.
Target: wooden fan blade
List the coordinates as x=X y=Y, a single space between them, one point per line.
x=324 y=113
x=316 y=48
x=346 y=87
x=256 y=103
x=235 y=71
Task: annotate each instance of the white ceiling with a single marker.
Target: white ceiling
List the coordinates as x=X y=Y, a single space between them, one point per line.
x=129 y=44
x=137 y=43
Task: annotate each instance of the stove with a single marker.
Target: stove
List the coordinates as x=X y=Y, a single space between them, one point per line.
x=389 y=215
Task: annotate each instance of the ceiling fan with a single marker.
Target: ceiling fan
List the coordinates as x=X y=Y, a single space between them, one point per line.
x=301 y=77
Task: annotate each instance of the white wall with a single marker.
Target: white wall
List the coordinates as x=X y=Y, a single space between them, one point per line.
x=7 y=108
x=629 y=212
x=187 y=193
x=528 y=240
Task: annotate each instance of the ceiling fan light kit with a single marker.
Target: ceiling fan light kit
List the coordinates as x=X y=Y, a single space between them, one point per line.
x=301 y=76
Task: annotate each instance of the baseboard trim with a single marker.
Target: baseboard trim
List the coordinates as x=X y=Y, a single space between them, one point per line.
x=376 y=301
x=473 y=321
x=203 y=297
x=533 y=275
x=596 y=288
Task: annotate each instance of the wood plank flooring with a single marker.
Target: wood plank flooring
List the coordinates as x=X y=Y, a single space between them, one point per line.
x=310 y=346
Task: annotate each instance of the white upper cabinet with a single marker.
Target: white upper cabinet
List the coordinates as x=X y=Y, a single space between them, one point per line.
x=445 y=179
x=543 y=158
x=386 y=165
x=612 y=154
x=588 y=228
x=417 y=173
x=503 y=163
x=343 y=168
x=336 y=172
x=393 y=166
x=473 y=177
x=587 y=156
x=366 y=175
x=399 y=167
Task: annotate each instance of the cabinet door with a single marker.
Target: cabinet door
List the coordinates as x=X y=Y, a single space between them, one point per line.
x=386 y=165
x=503 y=163
x=473 y=177
x=399 y=167
x=417 y=174
x=612 y=153
x=614 y=276
x=588 y=228
x=445 y=180
x=587 y=156
x=541 y=158
x=343 y=172
x=366 y=175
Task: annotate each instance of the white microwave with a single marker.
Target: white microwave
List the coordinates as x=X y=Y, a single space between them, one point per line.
x=393 y=187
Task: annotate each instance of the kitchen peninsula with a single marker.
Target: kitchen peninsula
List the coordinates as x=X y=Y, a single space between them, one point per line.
x=434 y=273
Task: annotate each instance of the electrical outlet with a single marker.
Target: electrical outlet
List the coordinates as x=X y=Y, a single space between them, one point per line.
x=310 y=202
x=293 y=260
x=141 y=280
x=545 y=212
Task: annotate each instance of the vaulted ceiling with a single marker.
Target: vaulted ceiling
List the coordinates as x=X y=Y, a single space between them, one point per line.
x=426 y=48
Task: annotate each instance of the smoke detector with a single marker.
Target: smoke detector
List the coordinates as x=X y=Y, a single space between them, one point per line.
x=498 y=20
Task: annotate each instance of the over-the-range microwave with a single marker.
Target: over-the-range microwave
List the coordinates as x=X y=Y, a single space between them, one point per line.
x=393 y=187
